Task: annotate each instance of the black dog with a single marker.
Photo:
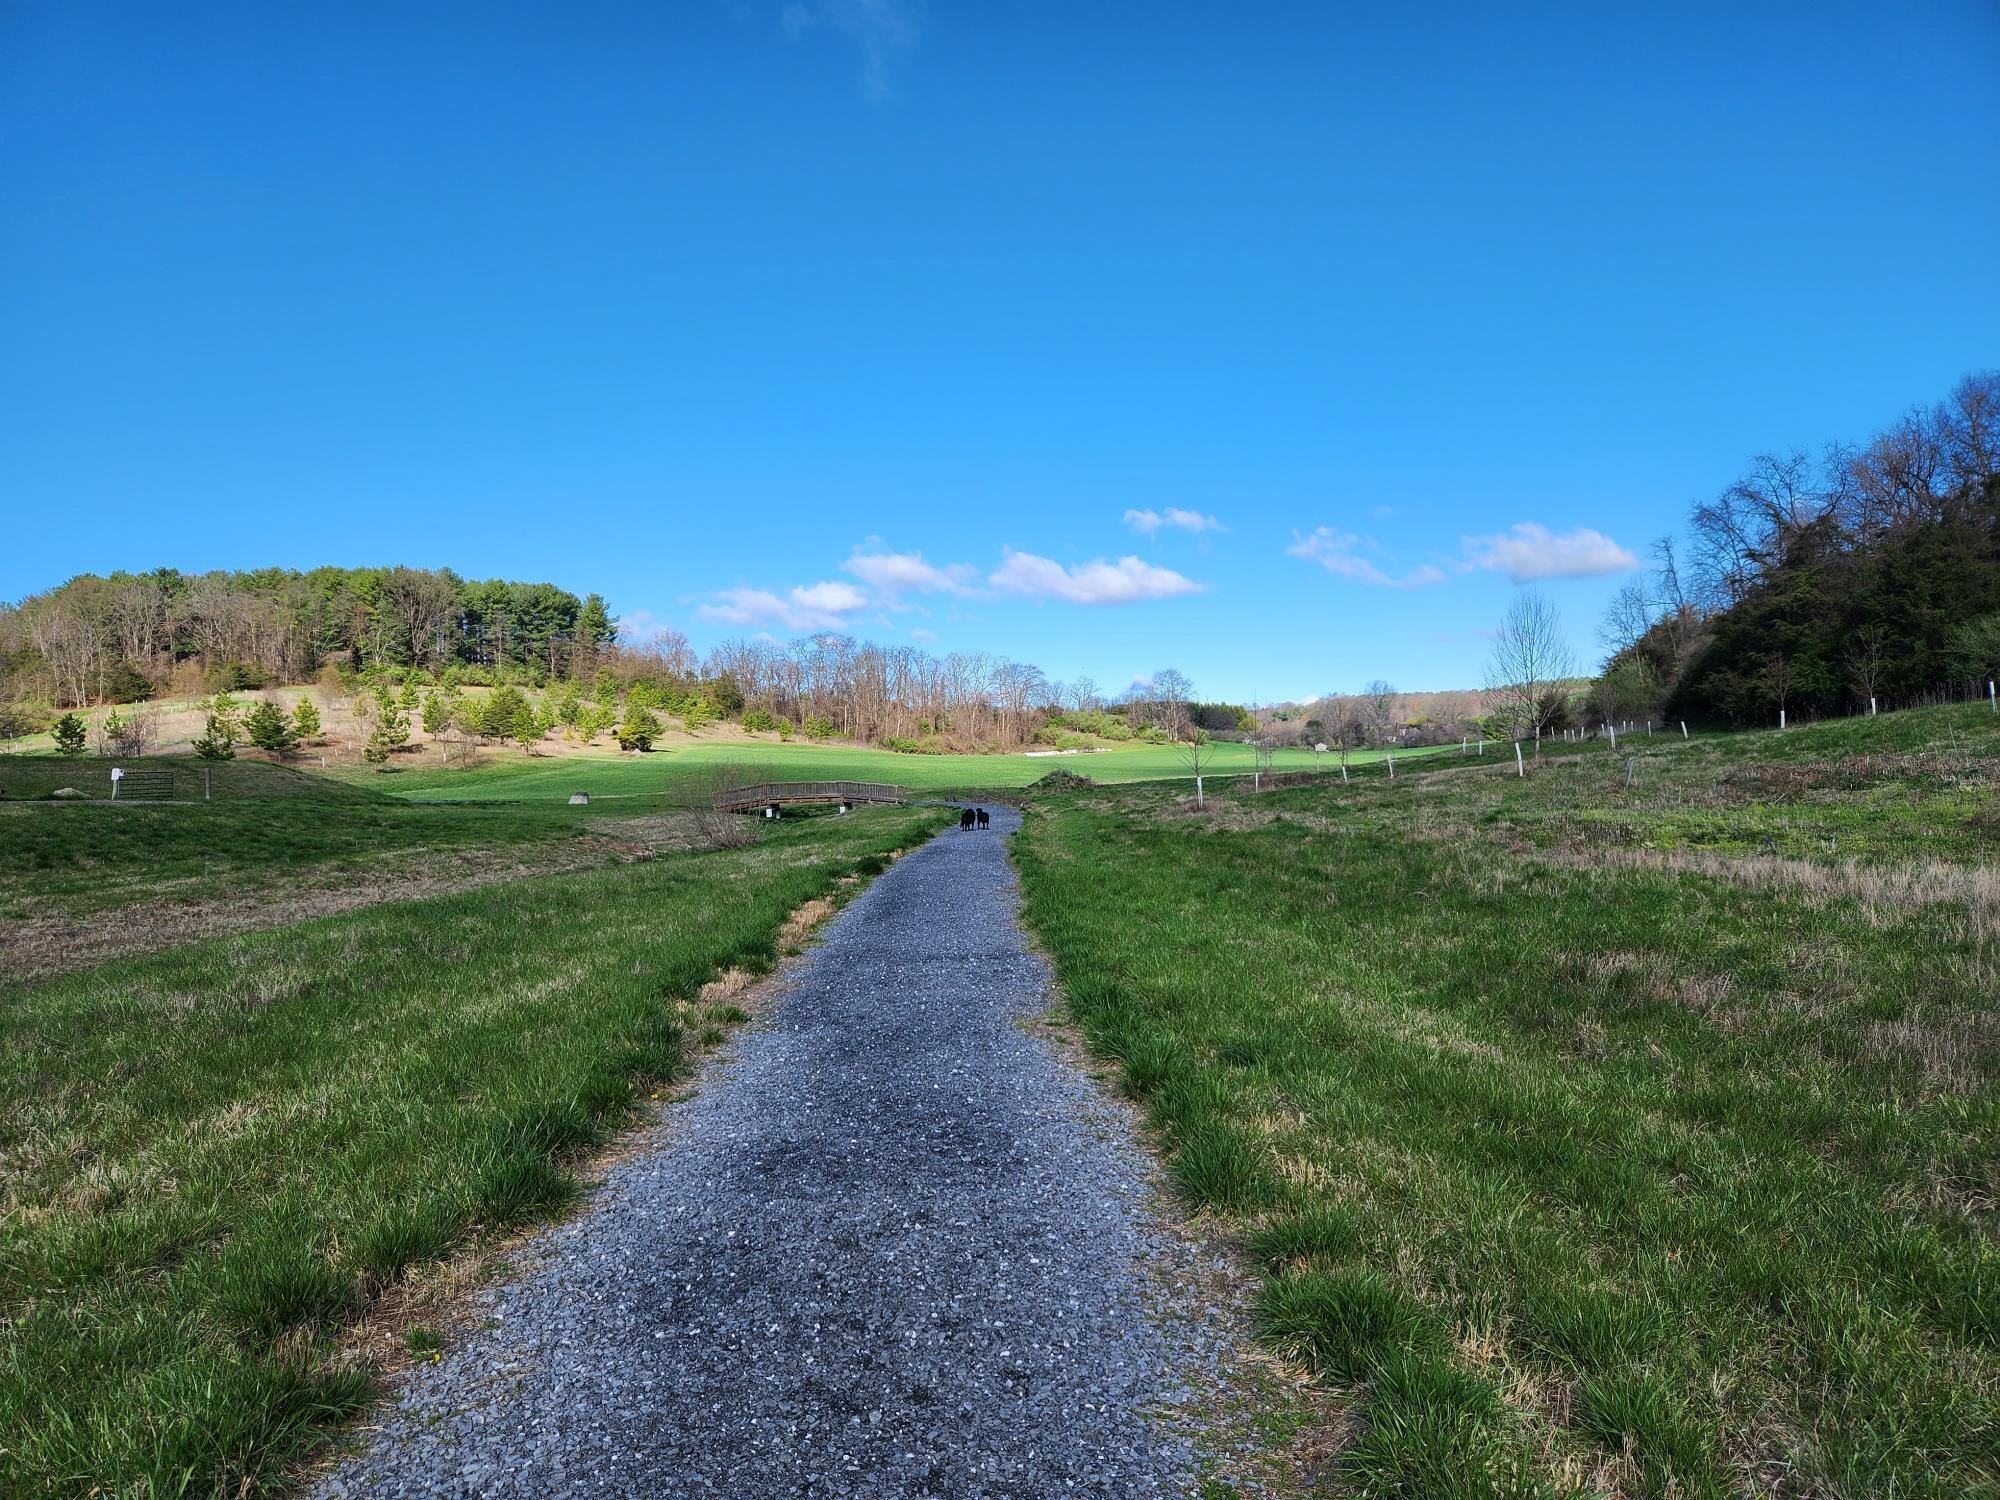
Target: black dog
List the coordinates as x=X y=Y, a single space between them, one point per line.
x=965 y=820
x=983 y=818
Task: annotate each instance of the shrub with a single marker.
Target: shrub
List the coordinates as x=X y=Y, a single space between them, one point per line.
x=125 y=683
x=238 y=676
x=759 y=720
x=305 y=720
x=20 y=719
x=818 y=728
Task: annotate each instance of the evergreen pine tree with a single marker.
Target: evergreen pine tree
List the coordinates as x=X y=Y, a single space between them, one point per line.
x=269 y=729
x=69 y=735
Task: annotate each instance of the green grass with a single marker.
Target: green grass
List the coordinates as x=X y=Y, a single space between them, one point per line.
x=212 y=1159
x=269 y=829
x=513 y=775
x=1581 y=1151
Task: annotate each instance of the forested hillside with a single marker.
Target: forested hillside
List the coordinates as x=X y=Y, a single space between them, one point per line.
x=1812 y=585
x=136 y=635
x=130 y=637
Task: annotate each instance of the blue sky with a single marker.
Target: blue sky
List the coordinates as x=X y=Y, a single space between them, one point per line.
x=1275 y=342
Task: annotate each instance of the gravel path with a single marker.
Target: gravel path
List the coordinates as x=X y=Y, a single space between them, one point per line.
x=892 y=1249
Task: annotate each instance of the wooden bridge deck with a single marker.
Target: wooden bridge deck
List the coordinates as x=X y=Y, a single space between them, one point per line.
x=780 y=793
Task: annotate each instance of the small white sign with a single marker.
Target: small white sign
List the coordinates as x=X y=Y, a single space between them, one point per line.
x=1320 y=749
x=116 y=774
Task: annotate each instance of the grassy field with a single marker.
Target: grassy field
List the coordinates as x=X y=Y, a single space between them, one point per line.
x=515 y=776
x=214 y=1160
x=1641 y=1142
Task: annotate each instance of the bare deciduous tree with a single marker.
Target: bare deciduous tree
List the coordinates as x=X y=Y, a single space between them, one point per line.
x=1531 y=660
x=1867 y=659
x=1380 y=699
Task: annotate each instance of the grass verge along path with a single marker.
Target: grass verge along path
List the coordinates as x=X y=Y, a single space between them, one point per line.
x=212 y=1158
x=1591 y=1160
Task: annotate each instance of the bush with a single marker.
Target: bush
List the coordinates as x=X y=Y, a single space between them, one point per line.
x=127 y=735
x=125 y=683
x=305 y=720
x=238 y=676
x=759 y=720
x=18 y=720
x=818 y=728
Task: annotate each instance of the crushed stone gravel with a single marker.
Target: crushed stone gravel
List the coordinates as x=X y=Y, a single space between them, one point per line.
x=892 y=1248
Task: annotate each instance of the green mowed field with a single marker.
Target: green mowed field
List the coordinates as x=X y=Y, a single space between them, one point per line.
x=1588 y=1155
x=513 y=775
x=214 y=1160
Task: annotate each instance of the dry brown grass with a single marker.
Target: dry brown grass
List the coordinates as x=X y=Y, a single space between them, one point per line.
x=37 y=947
x=1885 y=893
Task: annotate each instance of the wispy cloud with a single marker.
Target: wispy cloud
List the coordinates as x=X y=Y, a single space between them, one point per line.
x=894 y=574
x=1530 y=552
x=922 y=636
x=1150 y=521
x=884 y=30
x=1125 y=581
x=1335 y=551
x=816 y=606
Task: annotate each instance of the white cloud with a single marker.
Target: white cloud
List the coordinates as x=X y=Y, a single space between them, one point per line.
x=1334 y=551
x=1150 y=521
x=1530 y=551
x=635 y=624
x=923 y=636
x=1123 y=582
x=893 y=574
x=818 y=606
x=883 y=29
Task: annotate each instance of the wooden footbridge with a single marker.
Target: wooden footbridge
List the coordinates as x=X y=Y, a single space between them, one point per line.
x=769 y=796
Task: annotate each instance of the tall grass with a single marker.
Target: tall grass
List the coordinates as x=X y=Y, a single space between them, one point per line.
x=1579 y=1172
x=211 y=1160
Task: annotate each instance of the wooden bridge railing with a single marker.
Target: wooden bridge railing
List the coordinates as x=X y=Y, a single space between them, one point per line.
x=778 y=793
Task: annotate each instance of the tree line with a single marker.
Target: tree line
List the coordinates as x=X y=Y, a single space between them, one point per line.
x=1815 y=583
x=130 y=636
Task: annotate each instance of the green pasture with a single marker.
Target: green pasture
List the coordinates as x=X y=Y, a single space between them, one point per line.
x=214 y=1160
x=1585 y=1156
x=515 y=775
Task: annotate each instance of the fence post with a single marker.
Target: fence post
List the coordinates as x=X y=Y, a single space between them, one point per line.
x=1684 y=728
x=1612 y=729
x=1871 y=708
x=1630 y=762
x=1990 y=697
x=1520 y=766
x=1390 y=756
x=1781 y=718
